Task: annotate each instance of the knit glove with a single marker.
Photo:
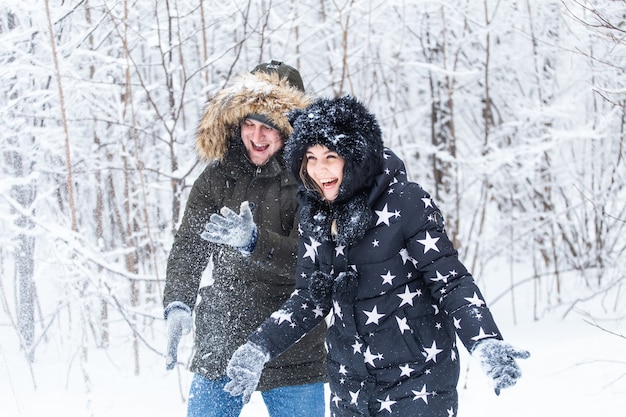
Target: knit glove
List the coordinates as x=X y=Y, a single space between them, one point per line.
x=230 y=228
x=178 y=319
x=497 y=360
x=244 y=369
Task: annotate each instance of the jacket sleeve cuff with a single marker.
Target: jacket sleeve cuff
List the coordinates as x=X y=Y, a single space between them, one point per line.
x=175 y=304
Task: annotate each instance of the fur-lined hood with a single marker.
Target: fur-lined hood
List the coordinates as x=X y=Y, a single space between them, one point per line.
x=343 y=125
x=260 y=93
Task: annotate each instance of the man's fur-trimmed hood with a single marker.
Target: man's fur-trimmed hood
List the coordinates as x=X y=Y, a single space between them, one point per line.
x=260 y=93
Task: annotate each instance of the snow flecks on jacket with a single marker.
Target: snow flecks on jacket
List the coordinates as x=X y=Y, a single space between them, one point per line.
x=412 y=299
x=245 y=288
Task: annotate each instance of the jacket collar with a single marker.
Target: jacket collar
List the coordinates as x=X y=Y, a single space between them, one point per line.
x=354 y=216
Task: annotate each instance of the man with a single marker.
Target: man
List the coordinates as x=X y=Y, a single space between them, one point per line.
x=242 y=214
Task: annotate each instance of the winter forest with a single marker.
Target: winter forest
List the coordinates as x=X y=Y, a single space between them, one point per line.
x=512 y=114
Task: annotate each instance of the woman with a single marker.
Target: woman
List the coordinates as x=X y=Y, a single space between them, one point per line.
x=373 y=251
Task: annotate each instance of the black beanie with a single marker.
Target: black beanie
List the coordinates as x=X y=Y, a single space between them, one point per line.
x=284 y=71
x=343 y=125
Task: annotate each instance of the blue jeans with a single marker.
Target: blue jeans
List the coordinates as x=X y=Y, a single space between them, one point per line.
x=207 y=398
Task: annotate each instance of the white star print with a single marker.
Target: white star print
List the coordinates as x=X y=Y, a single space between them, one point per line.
x=440 y=277
x=388 y=278
x=373 y=316
x=337 y=309
x=482 y=335
x=339 y=250
x=368 y=356
x=318 y=311
x=375 y=243
x=357 y=347
x=423 y=394
x=407 y=296
x=336 y=400
x=342 y=370
x=475 y=300
x=405 y=370
x=402 y=324
x=429 y=243
x=450 y=412
x=386 y=404
x=432 y=352
x=311 y=250
x=383 y=216
x=428 y=202
x=457 y=323
x=404 y=253
x=281 y=316
x=354 y=397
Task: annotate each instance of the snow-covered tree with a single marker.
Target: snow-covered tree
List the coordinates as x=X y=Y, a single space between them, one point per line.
x=511 y=114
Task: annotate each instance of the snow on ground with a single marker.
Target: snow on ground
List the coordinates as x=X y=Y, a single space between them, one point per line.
x=576 y=369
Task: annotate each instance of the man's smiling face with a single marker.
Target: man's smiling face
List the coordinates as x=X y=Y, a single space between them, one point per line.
x=261 y=141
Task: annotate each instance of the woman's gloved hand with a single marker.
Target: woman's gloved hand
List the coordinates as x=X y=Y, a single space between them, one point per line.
x=497 y=360
x=244 y=369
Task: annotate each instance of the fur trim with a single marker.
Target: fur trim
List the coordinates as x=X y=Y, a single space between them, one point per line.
x=353 y=217
x=260 y=93
x=343 y=125
x=321 y=288
x=345 y=286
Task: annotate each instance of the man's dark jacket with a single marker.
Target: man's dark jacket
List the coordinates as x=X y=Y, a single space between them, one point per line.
x=241 y=291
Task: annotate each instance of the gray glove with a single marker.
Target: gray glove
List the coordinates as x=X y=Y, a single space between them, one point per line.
x=178 y=319
x=244 y=369
x=497 y=360
x=230 y=228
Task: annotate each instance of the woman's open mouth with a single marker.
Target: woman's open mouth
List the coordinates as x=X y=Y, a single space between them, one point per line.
x=330 y=183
